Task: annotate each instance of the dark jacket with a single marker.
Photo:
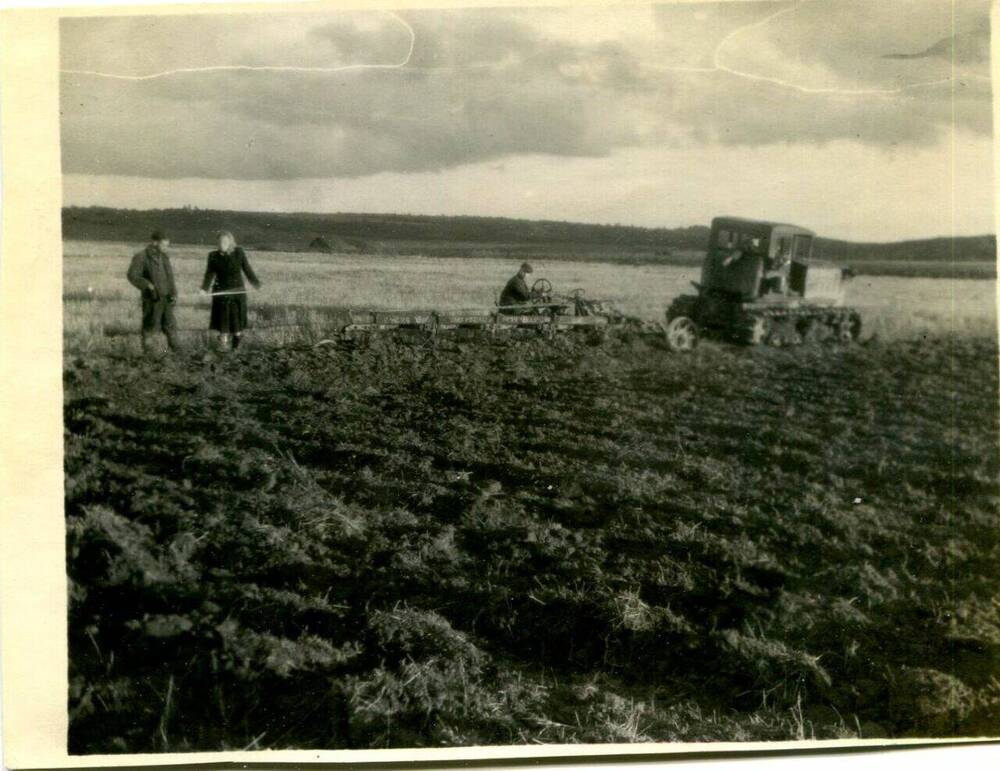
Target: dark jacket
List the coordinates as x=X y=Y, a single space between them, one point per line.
x=225 y=271
x=150 y=270
x=516 y=292
x=223 y=274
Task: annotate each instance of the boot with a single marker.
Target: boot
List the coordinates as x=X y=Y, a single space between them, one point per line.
x=147 y=345
x=172 y=342
x=236 y=341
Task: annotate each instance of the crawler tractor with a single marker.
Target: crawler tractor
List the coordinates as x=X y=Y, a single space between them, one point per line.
x=760 y=284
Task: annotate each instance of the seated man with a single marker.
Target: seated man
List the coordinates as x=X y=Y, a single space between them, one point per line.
x=729 y=258
x=775 y=279
x=516 y=291
x=736 y=254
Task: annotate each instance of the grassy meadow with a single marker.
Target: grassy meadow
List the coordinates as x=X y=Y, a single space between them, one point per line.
x=525 y=541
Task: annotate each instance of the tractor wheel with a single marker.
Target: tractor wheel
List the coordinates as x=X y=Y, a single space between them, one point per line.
x=854 y=320
x=849 y=328
x=682 y=334
x=597 y=336
x=759 y=330
x=813 y=331
x=783 y=332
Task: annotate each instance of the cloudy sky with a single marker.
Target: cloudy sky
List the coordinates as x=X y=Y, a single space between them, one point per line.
x=864 y=120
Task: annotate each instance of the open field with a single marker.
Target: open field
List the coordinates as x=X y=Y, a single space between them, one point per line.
x=892 y=307
x=926 y=269
x=526 y=541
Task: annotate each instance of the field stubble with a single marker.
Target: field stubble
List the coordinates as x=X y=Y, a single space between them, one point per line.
x=476 y=544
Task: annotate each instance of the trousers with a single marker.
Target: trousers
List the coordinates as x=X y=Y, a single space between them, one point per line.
x=158 y=315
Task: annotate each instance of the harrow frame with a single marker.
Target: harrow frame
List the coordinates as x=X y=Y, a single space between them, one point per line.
x=545 y=318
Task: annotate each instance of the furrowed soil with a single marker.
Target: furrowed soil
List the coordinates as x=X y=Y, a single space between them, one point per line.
x=501 y=543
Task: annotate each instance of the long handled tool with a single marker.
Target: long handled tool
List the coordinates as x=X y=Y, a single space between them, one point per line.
x=215 y=294
x=117 y=330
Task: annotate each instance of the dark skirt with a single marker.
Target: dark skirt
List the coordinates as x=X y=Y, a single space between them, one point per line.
x=229 y=314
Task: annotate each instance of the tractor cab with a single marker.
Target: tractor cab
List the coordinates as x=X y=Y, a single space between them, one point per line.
x=752 y=260
x=755 y=261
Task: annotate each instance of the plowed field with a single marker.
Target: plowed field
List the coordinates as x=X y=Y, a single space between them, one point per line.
x=400 y=546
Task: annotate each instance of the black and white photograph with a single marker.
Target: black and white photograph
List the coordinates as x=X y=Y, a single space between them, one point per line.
x=512 y=376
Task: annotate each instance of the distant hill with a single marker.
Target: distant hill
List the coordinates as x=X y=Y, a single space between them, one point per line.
x=962 y=249
x=473 y=236
x=370 y=233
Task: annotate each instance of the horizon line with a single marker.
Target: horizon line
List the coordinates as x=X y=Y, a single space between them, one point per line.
x=188 y=208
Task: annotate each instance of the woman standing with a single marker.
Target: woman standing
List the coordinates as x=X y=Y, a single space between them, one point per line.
x=224 y=278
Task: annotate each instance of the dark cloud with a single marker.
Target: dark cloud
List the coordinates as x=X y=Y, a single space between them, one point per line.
x=732 y=114
x=462 y=38
x=380 y=42
x=964 y=48
x=488 y=84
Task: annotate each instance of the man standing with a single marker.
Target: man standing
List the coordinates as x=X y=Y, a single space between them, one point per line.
x=151 y=274
x=776 y=269
x=516 y=291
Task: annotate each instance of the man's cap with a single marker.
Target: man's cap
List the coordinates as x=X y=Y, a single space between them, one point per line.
x=158 y=235
x=526 y=268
